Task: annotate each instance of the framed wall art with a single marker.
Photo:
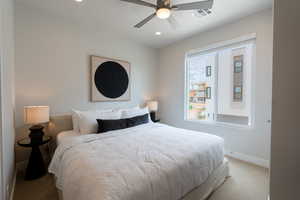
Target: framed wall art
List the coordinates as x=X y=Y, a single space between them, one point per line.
x=110 y=79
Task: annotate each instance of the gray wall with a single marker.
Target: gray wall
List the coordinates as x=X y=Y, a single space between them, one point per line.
x=7 y=95
x=252 y=144
x=52 y=63
x=285 y=151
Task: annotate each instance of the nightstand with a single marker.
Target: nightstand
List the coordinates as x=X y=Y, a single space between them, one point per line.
x=36 y=166
x=156 y=120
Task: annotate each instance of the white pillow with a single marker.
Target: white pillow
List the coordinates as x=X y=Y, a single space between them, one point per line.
x=129 y=110
x=76 y=117
x=135 y=112
x=75 y=120
x=88 y=120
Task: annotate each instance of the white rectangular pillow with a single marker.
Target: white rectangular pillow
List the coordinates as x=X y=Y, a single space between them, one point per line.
x=135 y=112
x=85 y=122
x=88 y=120
x=126 y=111
x=75 y=120
x=76 y=117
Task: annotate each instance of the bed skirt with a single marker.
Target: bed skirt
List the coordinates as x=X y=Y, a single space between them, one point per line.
x=202 y=192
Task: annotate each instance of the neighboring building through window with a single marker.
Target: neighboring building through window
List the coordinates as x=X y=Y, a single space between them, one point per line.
x=219 y=84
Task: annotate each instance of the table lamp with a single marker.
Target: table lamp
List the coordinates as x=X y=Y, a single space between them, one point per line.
x=35 y=116
x=153 y=107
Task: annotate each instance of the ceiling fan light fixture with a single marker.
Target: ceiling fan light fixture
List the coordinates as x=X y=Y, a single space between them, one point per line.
x=164 y=9
x=163 y=13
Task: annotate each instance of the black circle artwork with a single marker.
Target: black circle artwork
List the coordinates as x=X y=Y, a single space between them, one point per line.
x=111 y=79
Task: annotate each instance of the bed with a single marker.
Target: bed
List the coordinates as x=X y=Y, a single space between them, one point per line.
x=151 y=161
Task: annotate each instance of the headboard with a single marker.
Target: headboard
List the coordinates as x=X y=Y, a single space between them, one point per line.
x=56 y=125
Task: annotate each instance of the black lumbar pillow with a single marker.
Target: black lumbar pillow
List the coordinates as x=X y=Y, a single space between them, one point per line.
x=116 y=124
x=138 y=120
x=110 y=125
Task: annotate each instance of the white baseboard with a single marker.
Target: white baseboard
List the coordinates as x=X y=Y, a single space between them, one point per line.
x=13 y=185
x=250 y=159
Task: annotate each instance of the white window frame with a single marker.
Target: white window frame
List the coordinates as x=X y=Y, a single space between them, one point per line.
x=211 y=48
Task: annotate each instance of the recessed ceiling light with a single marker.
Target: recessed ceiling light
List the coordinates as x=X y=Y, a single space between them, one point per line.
x=78 y=1
x=157 y=33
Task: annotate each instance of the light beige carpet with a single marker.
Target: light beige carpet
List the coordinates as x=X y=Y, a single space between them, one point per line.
x=248 y=182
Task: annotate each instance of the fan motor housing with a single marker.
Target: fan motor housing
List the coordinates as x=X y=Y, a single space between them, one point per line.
x=163 y=4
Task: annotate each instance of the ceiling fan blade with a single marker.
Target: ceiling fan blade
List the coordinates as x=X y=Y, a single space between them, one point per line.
x=142 y=3
x=142 y=23
x=173 y=22
x=194 y=5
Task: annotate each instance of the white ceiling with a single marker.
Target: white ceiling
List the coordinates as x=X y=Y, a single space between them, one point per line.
x=121 y=17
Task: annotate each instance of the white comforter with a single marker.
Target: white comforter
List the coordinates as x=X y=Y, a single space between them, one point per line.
x=147 y=162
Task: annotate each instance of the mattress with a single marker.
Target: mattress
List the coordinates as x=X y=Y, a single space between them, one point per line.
x=65 y=135
x=152 y=161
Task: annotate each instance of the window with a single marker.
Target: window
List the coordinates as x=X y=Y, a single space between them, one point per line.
x=219 y=84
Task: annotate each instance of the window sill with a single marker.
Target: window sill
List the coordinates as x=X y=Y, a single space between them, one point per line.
x=222 y=124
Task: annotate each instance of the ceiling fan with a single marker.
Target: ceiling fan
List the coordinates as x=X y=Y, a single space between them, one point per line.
x=163 y=9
